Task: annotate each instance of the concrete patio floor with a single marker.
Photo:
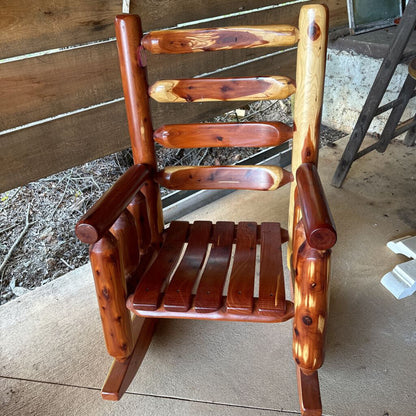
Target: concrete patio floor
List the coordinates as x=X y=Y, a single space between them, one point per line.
x=53 y=361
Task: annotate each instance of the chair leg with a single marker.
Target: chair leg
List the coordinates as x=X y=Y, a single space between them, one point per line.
x=309 y=394
x=122 y=373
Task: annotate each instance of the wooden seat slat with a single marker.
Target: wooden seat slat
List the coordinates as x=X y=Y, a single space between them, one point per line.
x=271 y=287
x=147 y=294
x=222 y=314
x=241 y=287
x=208 y=297
x=219 y=38
x=178 y=294
x=257 y=134
x=261 y=178
x=222 y=89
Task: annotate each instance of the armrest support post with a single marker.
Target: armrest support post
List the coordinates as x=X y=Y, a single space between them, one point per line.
x=316 y=216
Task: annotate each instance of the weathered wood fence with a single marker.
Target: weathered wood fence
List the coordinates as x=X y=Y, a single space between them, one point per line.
x=61 y=101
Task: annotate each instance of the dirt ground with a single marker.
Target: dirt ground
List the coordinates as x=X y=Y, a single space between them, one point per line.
x=37 y=240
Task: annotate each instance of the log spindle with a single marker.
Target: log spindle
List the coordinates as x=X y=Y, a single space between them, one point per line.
x=310 y=74
x=138 y=209
x=134 y=79
x=111 y=296
x=311 y=307
x=125 y=232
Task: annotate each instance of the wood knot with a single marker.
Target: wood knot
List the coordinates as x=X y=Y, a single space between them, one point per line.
x=307 y=320
x=314 y=31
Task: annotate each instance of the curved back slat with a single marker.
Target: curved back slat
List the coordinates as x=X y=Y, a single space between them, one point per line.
x=257 y=134
x=222 y=89
x=260 y=178
x=220 y=38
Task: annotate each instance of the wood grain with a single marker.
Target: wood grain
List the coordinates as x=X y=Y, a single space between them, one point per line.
x=310 y=74
x=98 y=132
x=121 y=374
x=222 y=314
x=29 y=26
x=311 y=307
x=125 y=231
x=138 y=208
x=309 y=394
x=222 y=89
x=148 y=291
x=241 y=286
x=316 y=216
x=111 y=295
x=208 y=297
x=33 y=89
x=261 y=178
x=255 y=134
x=133 y=76
x=178 y=294
x=220 y=38
x=271 y=286
x=102 y=215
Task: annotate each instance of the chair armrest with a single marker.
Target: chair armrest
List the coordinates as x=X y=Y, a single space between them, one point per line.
x=101 y=216
x=316 y=216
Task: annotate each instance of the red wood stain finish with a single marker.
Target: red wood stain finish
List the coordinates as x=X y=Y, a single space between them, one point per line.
x=214 y=39
x=111 y=295
x=223 y=135
x=261 y=178
x=272 y=285
x=138 y=209
x=241 y=287
x=222 y=314
x=101 y=216
x=317 y=219
x=152 y=300
x=178 y=294
x=222 y=89
x=125 y=232
x=133 y=76
x=209 y=295
x=122 y=373
x=148 y=291
x=311 y=307
x=309 y=394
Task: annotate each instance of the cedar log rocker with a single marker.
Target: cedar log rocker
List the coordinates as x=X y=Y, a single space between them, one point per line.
x=143 y=268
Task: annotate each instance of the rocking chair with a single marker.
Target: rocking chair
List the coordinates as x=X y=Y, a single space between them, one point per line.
x=180 y=272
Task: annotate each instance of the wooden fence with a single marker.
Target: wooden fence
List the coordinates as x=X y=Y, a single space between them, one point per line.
x=61 y=101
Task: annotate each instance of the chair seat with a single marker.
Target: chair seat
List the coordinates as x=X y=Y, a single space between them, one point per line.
x=214 y=271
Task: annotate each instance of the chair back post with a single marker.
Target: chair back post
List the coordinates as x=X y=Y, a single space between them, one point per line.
x=134 y=79
x=310 y=74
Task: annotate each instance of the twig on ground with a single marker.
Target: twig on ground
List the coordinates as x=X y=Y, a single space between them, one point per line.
x=67 y=264
x=27 y=225
x=63 y=196
x=203 y=156
x=8 y=228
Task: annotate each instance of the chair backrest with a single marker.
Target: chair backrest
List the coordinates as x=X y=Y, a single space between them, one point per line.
x=311 y=37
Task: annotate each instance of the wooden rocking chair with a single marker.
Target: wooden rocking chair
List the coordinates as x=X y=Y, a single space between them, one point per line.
x=152 y=270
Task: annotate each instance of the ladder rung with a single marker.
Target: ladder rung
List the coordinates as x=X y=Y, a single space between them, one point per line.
x=391 y=104
x=255 y=134
x=256 y=177
x=215 y=39
x=222 y=89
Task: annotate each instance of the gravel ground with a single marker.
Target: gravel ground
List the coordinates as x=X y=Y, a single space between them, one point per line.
x=37 y=240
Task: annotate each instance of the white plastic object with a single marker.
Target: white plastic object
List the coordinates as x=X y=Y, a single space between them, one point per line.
x=401 y=282
x=405 y=245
